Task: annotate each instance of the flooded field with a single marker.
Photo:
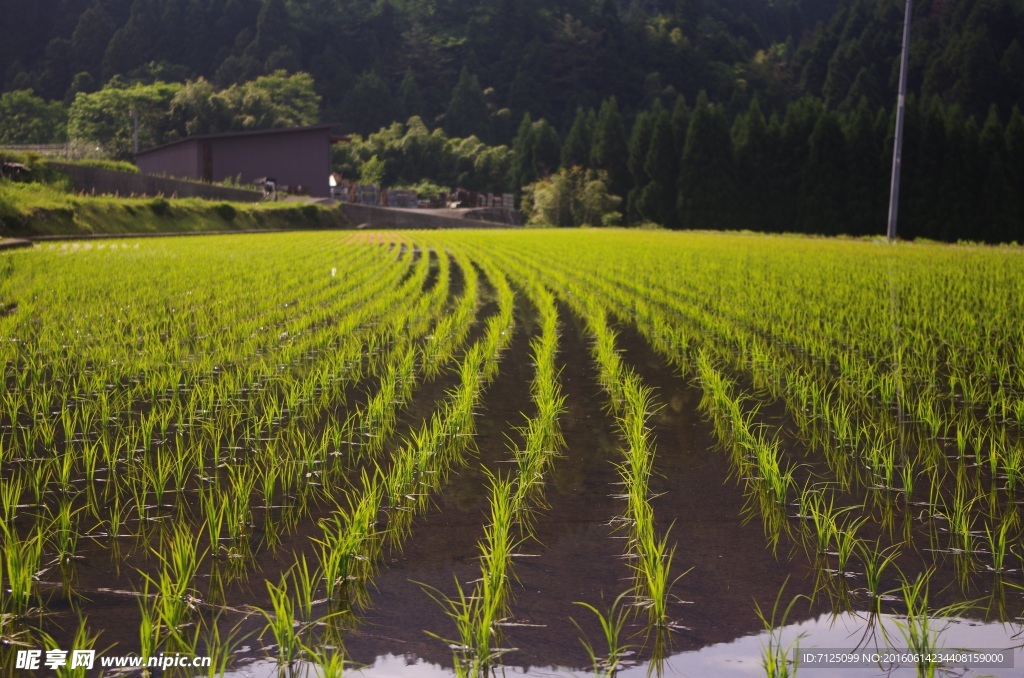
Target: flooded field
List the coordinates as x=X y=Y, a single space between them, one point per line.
x=526 y=452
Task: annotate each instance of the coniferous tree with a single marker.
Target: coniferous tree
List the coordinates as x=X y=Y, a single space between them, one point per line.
x=576 y=149
x=924 y=150
x=368 y=105
x=609 y=151
x=658 y=195
x=750 y=138
x=680 y=126
x=89 y=41
x=547 y=148
x=955 y=193
x=866 y=176
x=410 y=99
x=823 y=185
x=791 y=151
x=522 y=172
x=707 y=176
x=466 y=114
x=996 y=200
x=1015 y=170
x=274 y=42
x=639 y=144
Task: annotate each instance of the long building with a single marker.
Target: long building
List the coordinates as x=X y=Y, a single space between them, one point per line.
x=296 y=157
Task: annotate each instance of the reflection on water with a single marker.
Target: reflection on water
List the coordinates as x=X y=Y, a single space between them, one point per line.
x=742 y=657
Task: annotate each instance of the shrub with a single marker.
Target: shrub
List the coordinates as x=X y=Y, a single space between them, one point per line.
x=160 y=206
x=571 y=197
x=226 y=211
x=311 y=212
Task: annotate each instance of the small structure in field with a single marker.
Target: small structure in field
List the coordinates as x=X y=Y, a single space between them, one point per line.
x=298 y=157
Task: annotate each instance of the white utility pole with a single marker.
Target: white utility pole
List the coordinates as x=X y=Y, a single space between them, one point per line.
x=897 y=148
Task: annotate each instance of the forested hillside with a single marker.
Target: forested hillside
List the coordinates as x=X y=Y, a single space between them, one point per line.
x=376 y=61
x=791 y=100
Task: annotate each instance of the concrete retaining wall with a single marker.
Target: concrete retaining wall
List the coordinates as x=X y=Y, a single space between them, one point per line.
x=384 y=217
x=110 y=182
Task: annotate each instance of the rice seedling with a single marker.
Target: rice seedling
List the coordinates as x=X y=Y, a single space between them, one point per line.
x=916 y=627
x=474 y=645
x=615 y=654
x=22 y=563
x=846 y=542
x=82 y=640
x=151 y=624
x=998 y=543
x=282 y=624
x=11 y=491
x=778 y=659
x=174 y=600
x=875 y=562
x=188 y=379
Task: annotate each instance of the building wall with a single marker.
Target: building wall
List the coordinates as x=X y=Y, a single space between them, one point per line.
x=98 y=180
x=293 y=158
x=179 y=160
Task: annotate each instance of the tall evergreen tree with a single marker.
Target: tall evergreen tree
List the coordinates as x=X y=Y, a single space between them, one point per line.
x=680 y=126
x=89 y=41
x=369 y=105
x=466 y=114
x=866 y=176
x=410 y=99
x=750 y=139
x=996 y=199
x=522 y=172
x=790 y=155
x=576 y=149
x=609 y=151
x=639 y=144
x=956 y=188
x=823 y=185
x=1015 y=170
x=658 y=197
x=924 y=150
x=547 y=148
x=707 y=176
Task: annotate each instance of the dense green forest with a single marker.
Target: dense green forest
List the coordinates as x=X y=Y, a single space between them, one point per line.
x=696 y=113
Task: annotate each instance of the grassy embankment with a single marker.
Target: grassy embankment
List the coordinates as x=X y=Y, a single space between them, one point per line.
x=45 y=203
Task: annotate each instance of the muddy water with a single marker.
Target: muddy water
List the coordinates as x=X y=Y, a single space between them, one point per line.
x=443 y=546
x=578 y=554
x=732 y=565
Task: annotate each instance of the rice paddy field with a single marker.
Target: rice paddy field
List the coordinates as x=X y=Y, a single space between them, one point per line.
x=516 y=452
